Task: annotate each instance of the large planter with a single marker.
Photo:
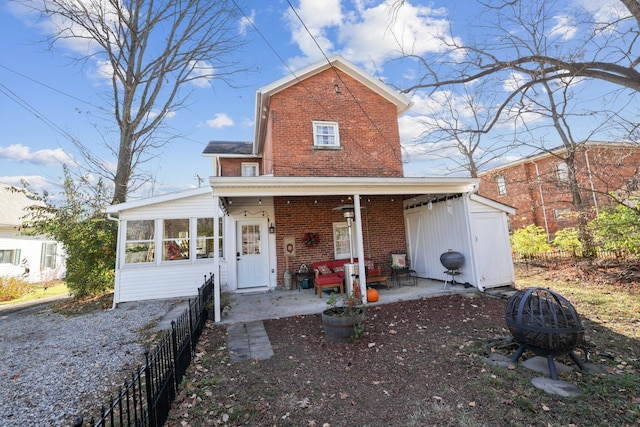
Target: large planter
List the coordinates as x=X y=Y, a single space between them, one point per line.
x=341 y=327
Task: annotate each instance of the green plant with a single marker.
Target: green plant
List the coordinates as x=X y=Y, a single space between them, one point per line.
x=529 y=240
x=89 y=237
x=568 y=239
x=13 y=287
x=617 y=229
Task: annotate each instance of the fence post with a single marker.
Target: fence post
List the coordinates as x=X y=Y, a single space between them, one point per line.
x=150 y=404
x=174 y=349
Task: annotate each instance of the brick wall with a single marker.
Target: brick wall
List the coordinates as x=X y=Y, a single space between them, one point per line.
x=368 y=129
x=606 y=169
x=233 y=166
x=383 y=228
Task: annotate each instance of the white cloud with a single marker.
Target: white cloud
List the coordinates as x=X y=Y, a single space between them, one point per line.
x=204 y=72
x=564 y=28
x=368 y=35
x=21 y=153
x=219 y=121
x=246 y=22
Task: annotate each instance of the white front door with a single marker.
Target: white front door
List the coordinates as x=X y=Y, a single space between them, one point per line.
x=252 y=257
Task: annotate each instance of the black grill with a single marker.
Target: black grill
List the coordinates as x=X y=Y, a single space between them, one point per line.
x=545 y=323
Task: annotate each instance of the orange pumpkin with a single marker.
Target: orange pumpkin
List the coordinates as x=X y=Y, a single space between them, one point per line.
x=372 y=295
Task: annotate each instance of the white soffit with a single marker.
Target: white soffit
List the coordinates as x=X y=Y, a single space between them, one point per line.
x=335 y=186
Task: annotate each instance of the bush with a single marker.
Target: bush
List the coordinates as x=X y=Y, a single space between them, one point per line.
x=13 y=288
x=568 y=239
x=530 y=240
x=617 y=229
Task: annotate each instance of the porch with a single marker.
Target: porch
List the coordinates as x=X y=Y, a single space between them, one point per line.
x=247 y=307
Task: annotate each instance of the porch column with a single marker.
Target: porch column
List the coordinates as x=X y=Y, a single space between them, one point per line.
x=216 y=258
x=360 y=247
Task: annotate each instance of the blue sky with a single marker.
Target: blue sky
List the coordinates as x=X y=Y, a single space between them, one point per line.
x=46 y=99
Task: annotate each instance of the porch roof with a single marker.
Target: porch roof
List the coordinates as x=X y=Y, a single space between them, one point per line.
x=265 y=186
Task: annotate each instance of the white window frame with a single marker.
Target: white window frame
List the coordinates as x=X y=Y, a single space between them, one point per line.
x=501 y=182
x=339 y=251
x=562 y=171
x=48 y=256
x=562 y=214
x=322 y=139
x=146 y=245
x=250 y=166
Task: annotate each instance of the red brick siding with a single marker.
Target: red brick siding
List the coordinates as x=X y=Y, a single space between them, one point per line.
x=383 y=229
x=233 y=167
x=370 y=143
x=610 y=169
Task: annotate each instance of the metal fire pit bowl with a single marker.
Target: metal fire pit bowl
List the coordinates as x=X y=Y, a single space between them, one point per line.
x=545 y=323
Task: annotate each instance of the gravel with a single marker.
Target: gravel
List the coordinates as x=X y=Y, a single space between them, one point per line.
x=55 y=368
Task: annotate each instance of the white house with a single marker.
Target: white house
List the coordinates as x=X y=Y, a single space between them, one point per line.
x=34 y=258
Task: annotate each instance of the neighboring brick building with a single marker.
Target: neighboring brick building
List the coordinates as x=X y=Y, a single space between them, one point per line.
x=537 y=185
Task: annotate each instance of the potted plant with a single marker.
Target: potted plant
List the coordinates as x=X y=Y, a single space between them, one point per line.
x=343 y=321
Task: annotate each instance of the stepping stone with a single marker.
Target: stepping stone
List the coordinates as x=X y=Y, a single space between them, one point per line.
x=540 y=364
x=248 y=341
x=556 y=387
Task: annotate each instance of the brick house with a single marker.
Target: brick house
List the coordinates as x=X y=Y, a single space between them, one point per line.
x=536 y=186
x=326 y=139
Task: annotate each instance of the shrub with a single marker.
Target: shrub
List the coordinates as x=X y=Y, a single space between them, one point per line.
x=617 y=229
x=530 y=240
x=13 y=288
x=568 y=239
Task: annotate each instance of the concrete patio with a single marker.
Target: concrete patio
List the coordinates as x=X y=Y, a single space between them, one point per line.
x=248 y=307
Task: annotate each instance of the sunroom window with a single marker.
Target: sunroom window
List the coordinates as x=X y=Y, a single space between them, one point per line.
x=175 y=239
x=139 y=246
x=204 y=240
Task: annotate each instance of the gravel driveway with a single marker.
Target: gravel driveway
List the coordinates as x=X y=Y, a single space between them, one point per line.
x=54 y=368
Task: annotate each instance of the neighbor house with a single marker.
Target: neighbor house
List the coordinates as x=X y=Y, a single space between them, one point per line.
x=33 y=258
x=537 y=186
x=326 y=142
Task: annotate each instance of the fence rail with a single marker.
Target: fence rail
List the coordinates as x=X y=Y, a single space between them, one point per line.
x=146 y=398
x=546 y=257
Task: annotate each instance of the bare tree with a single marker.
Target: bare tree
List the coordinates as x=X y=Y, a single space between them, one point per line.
x=150 y=51
x=454 y=129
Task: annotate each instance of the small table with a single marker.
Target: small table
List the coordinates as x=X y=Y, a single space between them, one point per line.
x=377 y=279
x=300 y=276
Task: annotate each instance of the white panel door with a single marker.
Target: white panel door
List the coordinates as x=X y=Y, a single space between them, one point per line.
x=493 y=254
x=252 y=257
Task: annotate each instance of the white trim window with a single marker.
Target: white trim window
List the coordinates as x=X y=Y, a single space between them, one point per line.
x=341 y=241
x=204 y=239
x=326 y=134
x=48 y=256
x=562 y=214
x=501 y=182
x=250 y=168
x=139 y=245
x=562 y=171
x=175 y=240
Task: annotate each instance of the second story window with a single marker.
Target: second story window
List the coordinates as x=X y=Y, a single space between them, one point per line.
x=501 y=182
x=249 y=169
x=562 y=171
x=325 y=134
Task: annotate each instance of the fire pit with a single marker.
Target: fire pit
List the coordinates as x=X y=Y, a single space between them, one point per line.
x=545 y=323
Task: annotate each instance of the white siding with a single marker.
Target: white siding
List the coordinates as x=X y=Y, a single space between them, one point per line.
x=31 y=249
x=159 y=280
x=432 y=232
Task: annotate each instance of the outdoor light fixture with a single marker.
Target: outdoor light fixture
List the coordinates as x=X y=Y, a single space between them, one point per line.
x=336 y=88
x=272 y=229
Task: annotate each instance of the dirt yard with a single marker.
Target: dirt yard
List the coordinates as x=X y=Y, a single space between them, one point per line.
x=419 y=363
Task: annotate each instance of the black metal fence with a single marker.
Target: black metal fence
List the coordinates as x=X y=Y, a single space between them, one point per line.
x=551 y=257
x=146 y=398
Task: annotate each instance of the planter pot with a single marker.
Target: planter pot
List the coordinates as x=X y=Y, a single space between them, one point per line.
x=339 y=327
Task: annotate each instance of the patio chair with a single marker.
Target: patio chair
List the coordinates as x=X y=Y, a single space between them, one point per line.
x=400 y=269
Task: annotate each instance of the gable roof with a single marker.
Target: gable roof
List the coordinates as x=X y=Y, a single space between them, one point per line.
x=228 y=149
x=264 y=94
x=14 y=205
x=168 y=197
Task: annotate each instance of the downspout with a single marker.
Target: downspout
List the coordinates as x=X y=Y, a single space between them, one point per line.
x=593 y=189
x=544 y=209
x=116 y=285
